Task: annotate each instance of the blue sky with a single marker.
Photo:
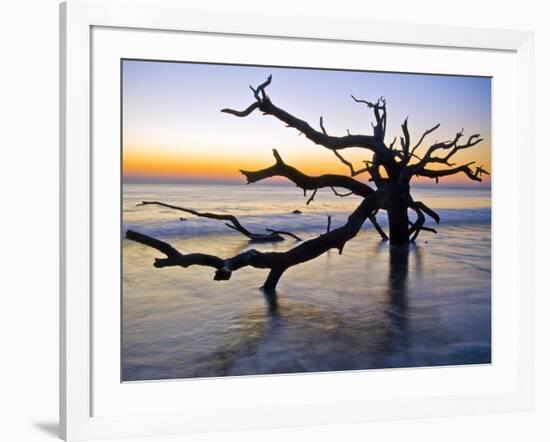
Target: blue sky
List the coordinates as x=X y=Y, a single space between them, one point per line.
x=173 y=124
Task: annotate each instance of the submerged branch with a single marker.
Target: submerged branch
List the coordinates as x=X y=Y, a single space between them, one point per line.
x=277 y=262
x=420 y=208
x=378 y=228
x=234 y=223
x=283 y=232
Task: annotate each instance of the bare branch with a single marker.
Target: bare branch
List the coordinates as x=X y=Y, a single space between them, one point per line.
x=373 y=142
x=307 y=182
x=342 y=195
x=378 y=228
x=244 y=112
x=428 y=158
x=480 y=171
x=235 y=224
x=173 y=257
x=372 y=218
x=436 y=174
x=379 y=114
x=261 y=89
x=430 y=212
x=311 y=197
x=283 y=232
x=418 y=225
x=424 y=135
x=472 y=141
x=353 y=172
x=322 y=126
x=405 y=140
x=453 y=147
x=277 y=262
x=368 y=103
x=232 y=219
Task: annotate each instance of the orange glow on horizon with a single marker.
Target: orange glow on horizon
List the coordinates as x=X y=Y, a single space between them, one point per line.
x=159 y=164
x=200 y=164
x=171 y=165
x=173 y=129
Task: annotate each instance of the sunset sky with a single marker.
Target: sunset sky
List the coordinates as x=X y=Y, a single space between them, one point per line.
x=173 y=129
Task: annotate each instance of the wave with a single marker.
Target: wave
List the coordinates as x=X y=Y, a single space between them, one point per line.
x=298 y=223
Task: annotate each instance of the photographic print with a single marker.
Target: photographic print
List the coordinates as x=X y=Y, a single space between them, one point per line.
x=280 y=220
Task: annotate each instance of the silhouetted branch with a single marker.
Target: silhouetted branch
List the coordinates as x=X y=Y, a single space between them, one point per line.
x=378 y=228
x=235 y=224
x=311 y=197
x=244 y=112
x=472 y=141
x=277 y=262
x=379 y=108
x=173 y=256
x=452 y=146
x=405 y=140
x=341 y=195
x=306 y=182
x=436 y=174
x=430 y=212
x=418 y=225
x=353 y=172
x=424 y=135
x=322 y=126
x=283 y=232
x=480 y=171
x=374 y=142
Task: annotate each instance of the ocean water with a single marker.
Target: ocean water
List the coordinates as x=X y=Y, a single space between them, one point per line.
x=373 y=307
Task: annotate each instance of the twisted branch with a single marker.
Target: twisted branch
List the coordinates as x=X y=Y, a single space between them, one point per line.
x=352 y=170
x=373 y=142
x=306 y=182
x=235 y=224
x=465 y=168
x=276 y=262
x=418 y=225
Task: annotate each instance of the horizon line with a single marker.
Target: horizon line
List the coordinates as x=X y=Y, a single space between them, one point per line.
x=278 y=183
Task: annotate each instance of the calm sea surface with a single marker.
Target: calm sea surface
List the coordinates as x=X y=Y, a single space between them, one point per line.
x=372 y=307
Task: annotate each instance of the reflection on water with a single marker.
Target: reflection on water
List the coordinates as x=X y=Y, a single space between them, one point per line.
x=397 y=287
x=375 y=306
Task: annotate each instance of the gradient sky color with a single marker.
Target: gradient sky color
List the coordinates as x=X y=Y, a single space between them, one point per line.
x=173 y=129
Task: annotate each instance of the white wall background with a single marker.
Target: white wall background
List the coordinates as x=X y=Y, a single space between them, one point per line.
x=29 y=204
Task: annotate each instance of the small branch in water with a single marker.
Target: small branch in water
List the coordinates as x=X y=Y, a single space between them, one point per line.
x=418 y=225
x=232 y=224
x=282 y=232
x=378 y=228
x=276 y=262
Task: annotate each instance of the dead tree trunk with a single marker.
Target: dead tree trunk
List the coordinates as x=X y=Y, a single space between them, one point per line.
x=396 y=206
x=398 y=220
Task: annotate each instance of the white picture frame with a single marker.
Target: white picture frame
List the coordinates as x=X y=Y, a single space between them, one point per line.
x=79 y=379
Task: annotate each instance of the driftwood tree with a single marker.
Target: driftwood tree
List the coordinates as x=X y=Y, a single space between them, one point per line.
x=391 y=168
